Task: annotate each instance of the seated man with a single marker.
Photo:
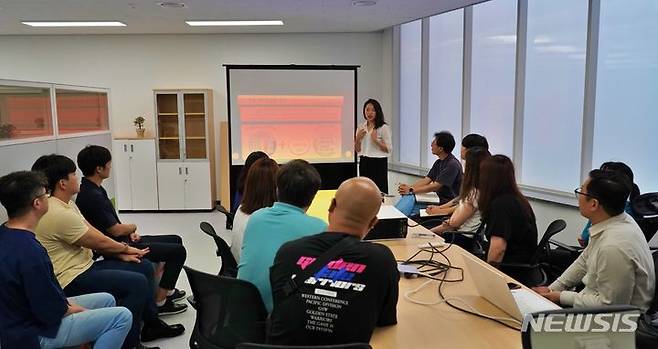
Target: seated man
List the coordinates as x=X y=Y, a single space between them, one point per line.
x=360 y=283
x=270 y=227
x=444 y=178
x=616 y=266
x=95 y=162
x=34 y=313
x=70 y=240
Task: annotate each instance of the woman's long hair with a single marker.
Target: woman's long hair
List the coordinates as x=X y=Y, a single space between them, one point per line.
x=496 y=179
x=470 y=183
x=245 y=169
x=624 y=169
x=379 y=113
x=260 y=186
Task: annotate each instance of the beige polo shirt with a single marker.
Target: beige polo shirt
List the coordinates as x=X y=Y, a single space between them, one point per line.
x=58 y=231
x=616 y=267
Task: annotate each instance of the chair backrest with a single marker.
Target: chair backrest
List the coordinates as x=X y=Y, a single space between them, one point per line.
x=645 y=212
x=601 y=327
x=543 y=247
x=229 y=311
x=654 y=304
x=229 y=265
x=336 y=346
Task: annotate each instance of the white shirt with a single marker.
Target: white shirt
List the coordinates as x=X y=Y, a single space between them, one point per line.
x=616 y=267
x=473 y=222
x=369 y=148
x=239 y=224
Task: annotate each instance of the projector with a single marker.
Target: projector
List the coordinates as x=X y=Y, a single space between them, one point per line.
x=391 y=224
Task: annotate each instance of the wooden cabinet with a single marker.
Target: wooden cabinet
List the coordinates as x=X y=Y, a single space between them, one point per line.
x=185 y=149
x=134 y=166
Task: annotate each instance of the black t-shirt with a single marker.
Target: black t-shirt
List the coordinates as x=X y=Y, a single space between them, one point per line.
x=341 y=303
x=97 y=208
x=507 y=218
x=449 y=173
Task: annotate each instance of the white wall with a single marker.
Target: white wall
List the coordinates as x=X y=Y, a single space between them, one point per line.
x=133 y=65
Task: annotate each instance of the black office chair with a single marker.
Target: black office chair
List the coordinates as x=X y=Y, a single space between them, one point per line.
x=537 y=271
x=645 y=208
x=229 y=216
x=647 y=334
x=559 y=332
x=337 y=346
x=229 y=311
x=229 y=267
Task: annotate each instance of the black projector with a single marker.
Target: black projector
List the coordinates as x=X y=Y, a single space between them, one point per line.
x=391 y=224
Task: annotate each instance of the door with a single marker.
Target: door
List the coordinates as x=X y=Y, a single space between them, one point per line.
x=171 y=186
x=197 y=185
x=194 y=107
x=169 y=143
x=143 y=175
x=121 y=169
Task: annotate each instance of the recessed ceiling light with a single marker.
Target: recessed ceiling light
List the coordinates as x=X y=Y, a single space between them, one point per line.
x=231 y=23
x=172 y=4
x=364 y=2
x=75 y=24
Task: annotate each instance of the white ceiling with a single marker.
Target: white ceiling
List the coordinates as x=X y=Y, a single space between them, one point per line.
x=148 y=17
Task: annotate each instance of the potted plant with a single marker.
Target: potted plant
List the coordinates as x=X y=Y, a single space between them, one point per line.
x=7 y=131
x=139 y=123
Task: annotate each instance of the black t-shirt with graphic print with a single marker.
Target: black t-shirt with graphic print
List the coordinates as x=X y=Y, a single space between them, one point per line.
x=343 y=302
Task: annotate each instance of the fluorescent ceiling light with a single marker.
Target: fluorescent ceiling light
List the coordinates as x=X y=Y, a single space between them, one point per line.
x=75 y=24
x=231 y=23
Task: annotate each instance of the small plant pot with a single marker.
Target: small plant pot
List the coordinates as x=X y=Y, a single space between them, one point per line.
x=140 y=132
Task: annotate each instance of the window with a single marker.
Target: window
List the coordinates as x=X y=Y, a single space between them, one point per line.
x=25 y=112
x=446 y=51
x=554 y=93
x=493 y=73
x=410 y=74
x=626 y=112
x=81 y=111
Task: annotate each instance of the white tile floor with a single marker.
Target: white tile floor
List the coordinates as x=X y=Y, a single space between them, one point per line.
x=200 y=256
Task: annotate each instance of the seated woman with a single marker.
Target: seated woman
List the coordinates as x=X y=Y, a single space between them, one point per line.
x=510 y=225
x=259 y=192
x=242 y=177
x=466 y=216
x=625 y=170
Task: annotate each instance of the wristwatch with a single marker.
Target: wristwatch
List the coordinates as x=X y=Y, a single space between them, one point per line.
x=411 y=190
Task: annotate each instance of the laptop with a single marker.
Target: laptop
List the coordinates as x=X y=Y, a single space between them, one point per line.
x=492 y=287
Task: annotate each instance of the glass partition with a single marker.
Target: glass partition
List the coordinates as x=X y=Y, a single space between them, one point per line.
x=81 y=111
x=25 y=112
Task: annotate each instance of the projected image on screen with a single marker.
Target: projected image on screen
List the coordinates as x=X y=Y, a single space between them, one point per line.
x=304 y=114
x=287 y=127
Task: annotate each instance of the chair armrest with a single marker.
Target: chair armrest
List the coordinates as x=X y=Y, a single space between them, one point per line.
x=572 y=249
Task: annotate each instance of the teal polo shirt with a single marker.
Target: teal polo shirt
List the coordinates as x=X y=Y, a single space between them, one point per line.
x=268 y=229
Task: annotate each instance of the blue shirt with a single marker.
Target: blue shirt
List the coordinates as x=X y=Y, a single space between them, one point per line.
x=585 y=234
x=97 y=208
x=32 y=303
x=268 y=229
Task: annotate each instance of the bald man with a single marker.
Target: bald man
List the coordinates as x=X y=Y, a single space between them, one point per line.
x=352 y=294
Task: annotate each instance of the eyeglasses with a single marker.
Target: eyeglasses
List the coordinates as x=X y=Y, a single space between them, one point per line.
x=577 y=192
x=46 y=193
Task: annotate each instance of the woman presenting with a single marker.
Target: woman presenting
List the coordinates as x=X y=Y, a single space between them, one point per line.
x=373 y=144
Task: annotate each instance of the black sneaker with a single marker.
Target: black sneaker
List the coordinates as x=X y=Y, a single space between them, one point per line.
x=171 y=308
x=160 y=329
x=178 y=295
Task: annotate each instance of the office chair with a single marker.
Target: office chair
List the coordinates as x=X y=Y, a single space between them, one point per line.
x=537 y=271
x=471 y=241
x=229 y=216
x=229 y=311
x=229 y=266
x=647 y=334
x=337 y=346
x=570 y=328
x=645 y=207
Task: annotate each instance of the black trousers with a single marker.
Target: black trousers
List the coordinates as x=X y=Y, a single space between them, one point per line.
x=375 y=169
x=168 y=249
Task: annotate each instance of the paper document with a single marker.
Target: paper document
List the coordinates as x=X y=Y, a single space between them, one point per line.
x=389 y=212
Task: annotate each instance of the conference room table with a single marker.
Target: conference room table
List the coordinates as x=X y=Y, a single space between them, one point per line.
x=440 y=326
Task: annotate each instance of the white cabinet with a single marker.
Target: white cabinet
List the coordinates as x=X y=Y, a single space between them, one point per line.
x=134 y=166
x=184 y=185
